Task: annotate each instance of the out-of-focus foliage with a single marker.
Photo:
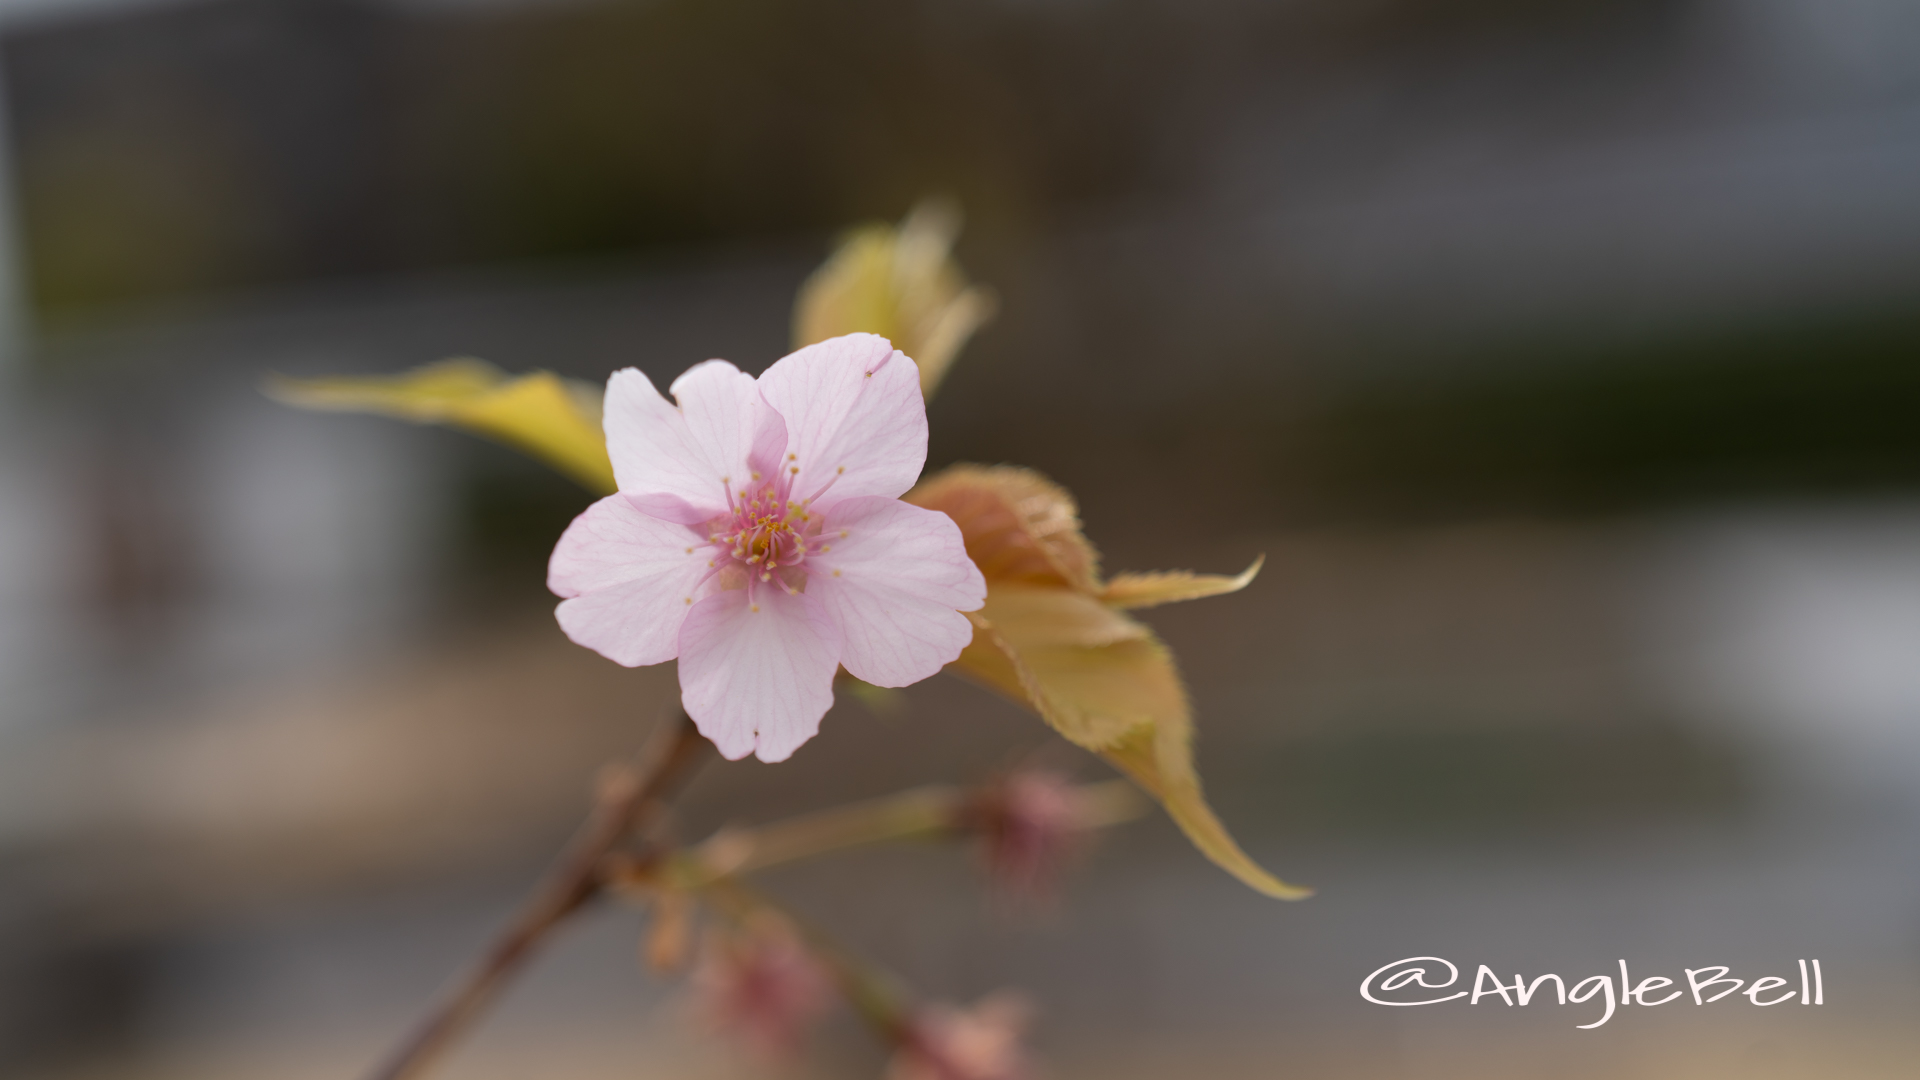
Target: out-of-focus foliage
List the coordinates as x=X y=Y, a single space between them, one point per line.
x=899 y=282
x=556 y=420
x=1051 y=636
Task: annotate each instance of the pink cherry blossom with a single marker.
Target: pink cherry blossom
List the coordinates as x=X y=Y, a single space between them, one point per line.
x=758 y=536
x=1031 y=826
x=761 y=984
x=982 y=1043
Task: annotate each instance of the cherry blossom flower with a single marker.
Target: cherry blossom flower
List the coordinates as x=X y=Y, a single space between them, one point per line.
x=758 y=536
x=761 y=984
x=1031 y=825
x=981 y=1043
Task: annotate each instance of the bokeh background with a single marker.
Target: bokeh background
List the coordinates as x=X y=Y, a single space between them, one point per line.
x=1563 y=357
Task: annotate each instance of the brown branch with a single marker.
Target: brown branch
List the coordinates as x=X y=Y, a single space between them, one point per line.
x=628 y=800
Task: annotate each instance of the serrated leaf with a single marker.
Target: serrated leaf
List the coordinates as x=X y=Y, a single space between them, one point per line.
x=902 y=283
x=1039 y=617
x=556 y=420
x=1051 y=638
x=1019 y=526
x=1160 y=759
x=1093 y=695
x=1168 y=586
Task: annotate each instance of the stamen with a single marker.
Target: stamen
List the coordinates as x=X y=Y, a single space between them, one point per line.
x=837 y=474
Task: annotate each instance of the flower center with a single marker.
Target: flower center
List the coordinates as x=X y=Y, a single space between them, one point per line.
x=766 y=533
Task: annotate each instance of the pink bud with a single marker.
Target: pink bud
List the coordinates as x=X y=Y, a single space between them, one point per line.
x=1031 y=826
x=761 y=984
x=982 y=1043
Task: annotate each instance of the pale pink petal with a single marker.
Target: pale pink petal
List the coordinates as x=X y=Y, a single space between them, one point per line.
x=758 y=674
x=854 y=416
x=729 y=424
x=675 y=461
x=895 y=583
x=630 y=579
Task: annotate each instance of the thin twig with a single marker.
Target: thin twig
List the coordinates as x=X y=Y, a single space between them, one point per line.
x=627 y=801
x=930 y=812
x=920 y=812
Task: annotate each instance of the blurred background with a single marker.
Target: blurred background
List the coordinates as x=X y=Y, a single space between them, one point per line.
x=1563 y=357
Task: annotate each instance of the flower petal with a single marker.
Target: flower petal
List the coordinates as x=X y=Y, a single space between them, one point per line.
x=675 y=461
x=895 y=584
x=758 y=674
x=854 y=415
x=630 y=580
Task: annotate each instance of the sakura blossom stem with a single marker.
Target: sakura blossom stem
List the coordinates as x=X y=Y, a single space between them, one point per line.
x=924 y=812
x=930 y=812
x=627 y=801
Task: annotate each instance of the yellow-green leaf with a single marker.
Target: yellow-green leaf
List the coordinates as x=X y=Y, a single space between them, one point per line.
x=1160 y=759
x=1167 y=586
x=1039 y=617
x=1123 y=700
x=899 y=282
x=556 y=420
x=1050 y=637
x=1091 y=694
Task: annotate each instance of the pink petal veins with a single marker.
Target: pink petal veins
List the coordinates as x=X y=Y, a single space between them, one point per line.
x=856 y=421
x=895 y=578
x=630 y=579
x=673 y=461
x=757 y=537
x=756 y=670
